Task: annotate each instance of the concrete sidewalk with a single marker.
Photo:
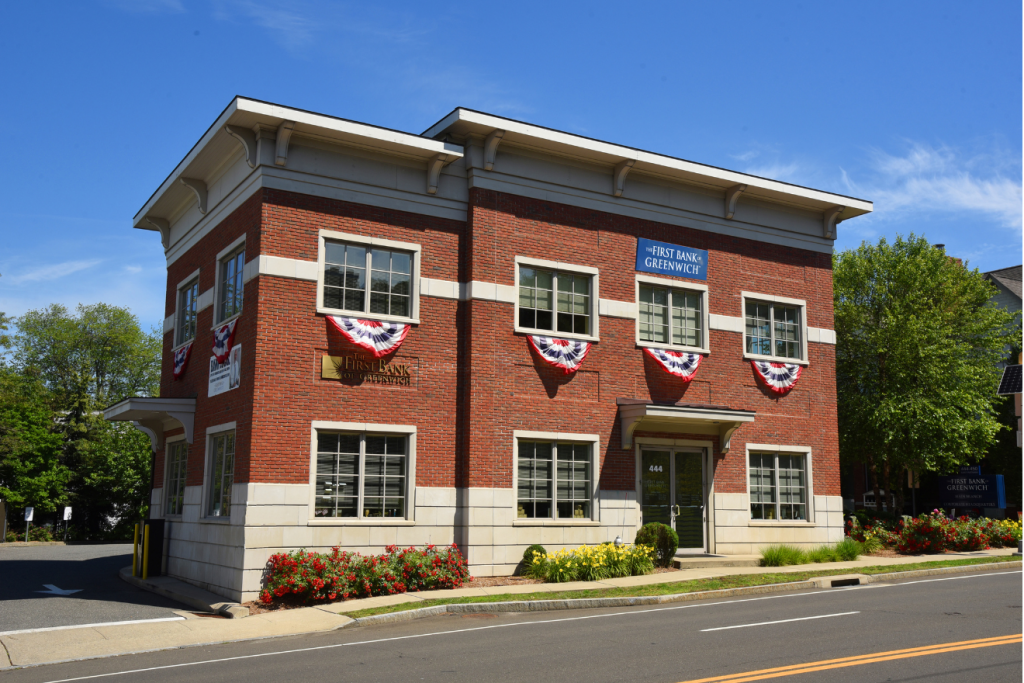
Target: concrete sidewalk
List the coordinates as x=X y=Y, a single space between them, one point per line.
x=49 y=646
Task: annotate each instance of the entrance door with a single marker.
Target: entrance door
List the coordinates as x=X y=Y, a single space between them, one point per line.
x=672 y=492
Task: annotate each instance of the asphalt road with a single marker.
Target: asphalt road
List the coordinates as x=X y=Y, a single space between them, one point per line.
x=667 y=644
x=102 y=596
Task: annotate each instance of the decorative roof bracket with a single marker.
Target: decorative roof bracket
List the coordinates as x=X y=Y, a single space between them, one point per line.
x=163 y=226
x=284 y=136
x=732 y=197
x=491 y=148
x=619 y=178
x=247 y=139
x=199 y=188
x=829 y=222
x=434 y=167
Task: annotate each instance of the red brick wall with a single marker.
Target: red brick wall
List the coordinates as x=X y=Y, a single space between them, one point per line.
x=475 y=379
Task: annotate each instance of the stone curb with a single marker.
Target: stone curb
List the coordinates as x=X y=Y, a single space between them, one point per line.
x=593 y=603
x=29 y=544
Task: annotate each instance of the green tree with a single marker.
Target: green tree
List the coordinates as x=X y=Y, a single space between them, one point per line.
x=87 y=361
x=916 y=354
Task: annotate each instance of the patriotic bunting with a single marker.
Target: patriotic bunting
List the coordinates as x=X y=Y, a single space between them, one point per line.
x=682 y=365
x=223 y=338
x=778 y=377
x=566 y=354
x=181 y=357
x=379 y=338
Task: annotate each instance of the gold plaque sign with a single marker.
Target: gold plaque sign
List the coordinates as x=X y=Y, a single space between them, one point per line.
x=373 y=371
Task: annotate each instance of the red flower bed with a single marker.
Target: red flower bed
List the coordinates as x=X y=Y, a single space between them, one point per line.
x=323 y=577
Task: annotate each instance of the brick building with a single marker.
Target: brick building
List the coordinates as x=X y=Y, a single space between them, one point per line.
x=473 y=238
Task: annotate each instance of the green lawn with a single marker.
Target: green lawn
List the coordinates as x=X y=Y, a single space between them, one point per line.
x=736 y=581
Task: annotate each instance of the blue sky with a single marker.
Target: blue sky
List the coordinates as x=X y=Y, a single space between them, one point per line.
x=914 y=105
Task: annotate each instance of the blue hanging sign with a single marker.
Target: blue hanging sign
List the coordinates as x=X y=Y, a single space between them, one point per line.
x=671 y=259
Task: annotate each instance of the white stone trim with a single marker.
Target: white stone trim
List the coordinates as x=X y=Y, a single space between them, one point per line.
x=726 y=323
x=364 y=428
x=442 y=289
x=491 y=291
x=705 y=347
x=295 y=269
x=414 y=299
x=169 y=322
x=205 y=300
x=595 y=475
x=786 y=449
x=595 y=297
x=770 y=298
x=617 y=309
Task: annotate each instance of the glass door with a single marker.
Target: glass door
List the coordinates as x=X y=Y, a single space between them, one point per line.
x=688 y=498
x=672 y=492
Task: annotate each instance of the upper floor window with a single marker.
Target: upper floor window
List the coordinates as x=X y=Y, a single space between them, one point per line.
x=188 y=311
x=556 y=300
x=371 y=276
x=345 y=279
x=670 y=316
x=231 y=285
x=774 y=329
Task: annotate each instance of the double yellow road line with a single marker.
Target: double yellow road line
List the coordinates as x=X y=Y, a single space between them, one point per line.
x=872 y=658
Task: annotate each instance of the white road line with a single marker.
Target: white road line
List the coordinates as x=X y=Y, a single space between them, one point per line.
x=832 y=591
x=780 y=621
x=104 y=623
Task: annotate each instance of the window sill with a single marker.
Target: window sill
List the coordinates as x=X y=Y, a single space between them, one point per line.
x=215 y=520
x=781 y=523
x=774 y=359
x=368 y=316
x=225 y=321
x=556 y=335
x=673 y=347
x=353 y=521
x=554 y=522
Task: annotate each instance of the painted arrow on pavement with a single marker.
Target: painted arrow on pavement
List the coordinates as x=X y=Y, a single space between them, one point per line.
x=58 y=591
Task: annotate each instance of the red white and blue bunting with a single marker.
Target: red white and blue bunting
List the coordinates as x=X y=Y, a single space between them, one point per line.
x=379 y=338
x=181 y=357
x=223 y=339
x=778 y=377
x=682 y=365
x=566 y=354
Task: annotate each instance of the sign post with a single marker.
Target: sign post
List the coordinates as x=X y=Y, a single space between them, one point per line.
x=29 y=514
x=67 y=518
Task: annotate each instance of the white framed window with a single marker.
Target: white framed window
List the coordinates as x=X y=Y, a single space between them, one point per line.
x=374 y=278
x=187 y=313
x=176 y=455
x=229 y=288
x=556 y=299
x=774 y=328
x=362 y=472
x=220 y=470
x=672 y=314
x=555 y=477
x=779 y=483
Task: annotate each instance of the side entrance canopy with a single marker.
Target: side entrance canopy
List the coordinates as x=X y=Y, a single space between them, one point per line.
x=679 y=418
x=154 y=416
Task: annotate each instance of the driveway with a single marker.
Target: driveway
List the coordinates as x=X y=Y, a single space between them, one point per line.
x=91 y=569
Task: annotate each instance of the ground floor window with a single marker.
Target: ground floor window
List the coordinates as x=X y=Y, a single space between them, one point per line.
x=554 y=480
x=174 y=486
x=361 y=475
x=778 y=486
x=222 y=469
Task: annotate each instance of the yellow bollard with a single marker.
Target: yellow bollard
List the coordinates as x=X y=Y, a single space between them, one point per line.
x=145 y=553
x=135 y=552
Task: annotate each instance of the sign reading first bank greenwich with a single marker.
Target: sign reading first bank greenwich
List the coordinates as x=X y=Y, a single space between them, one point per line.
x=671 y=259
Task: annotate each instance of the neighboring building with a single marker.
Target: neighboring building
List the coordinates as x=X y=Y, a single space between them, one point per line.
x=476 y=237
x=1007 y=280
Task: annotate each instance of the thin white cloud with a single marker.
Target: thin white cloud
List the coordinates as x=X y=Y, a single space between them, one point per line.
x=133 y=269
x=50 y=272
x=293 y=24
x=929 y=179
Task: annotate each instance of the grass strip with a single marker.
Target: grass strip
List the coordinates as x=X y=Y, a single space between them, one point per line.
x=692 y=586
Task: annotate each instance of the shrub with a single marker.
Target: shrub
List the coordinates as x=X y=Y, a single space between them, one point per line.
x=312 y=577
x=591 y=563
x=35 y=533
x=662 y=538
x=531 y=551
x=780 y=555
x=929 y=533
x=870 y=545
x=847 y=550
